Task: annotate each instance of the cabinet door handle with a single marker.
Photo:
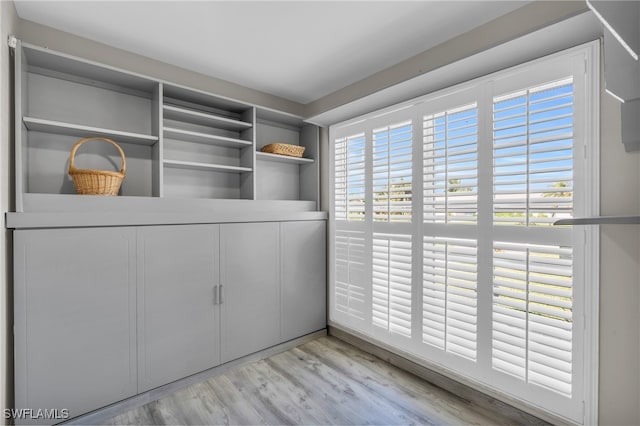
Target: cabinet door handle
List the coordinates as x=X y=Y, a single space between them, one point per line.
x=220 y=295
x=215 y=295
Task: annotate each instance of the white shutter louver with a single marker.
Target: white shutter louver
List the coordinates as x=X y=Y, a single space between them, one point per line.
x=533 y=155
x=349 y=180
x=532 y=314
x=392 y=157
x=391 y=284
x=449 y=304
x=450 y=165
x=350 y=273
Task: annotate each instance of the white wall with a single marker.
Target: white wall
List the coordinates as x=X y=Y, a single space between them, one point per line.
x=68 y=43
x=619 y=275
x=8 y=20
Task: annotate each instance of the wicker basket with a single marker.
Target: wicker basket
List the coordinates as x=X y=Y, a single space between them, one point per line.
x=284 y=149
x=96 y=182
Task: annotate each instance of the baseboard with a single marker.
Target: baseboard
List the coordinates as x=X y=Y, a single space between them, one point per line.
x=101 y=415
x=519 y=413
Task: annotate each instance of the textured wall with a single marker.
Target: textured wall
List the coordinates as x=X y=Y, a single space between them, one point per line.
x=8 y=22
x=619 y=275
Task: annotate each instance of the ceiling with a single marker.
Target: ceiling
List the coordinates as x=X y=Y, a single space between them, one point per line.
x=298 y=50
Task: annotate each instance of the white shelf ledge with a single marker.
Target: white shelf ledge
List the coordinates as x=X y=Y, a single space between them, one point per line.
x=76 y=130
x=197 y=137
x=600 y=220
x=203 y=118
x=282 y=158
x=205 y=166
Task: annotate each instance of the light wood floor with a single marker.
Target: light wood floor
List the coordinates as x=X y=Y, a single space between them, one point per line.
x=323 y=382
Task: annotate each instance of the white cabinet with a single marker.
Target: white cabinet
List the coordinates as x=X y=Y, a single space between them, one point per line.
x=102 y=314
x=74 y=308
x=304 y=284
x=250 y=279
x=178 y=314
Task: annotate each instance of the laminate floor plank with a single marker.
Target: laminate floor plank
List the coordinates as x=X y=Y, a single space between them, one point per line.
x=234 y=404
x=323 y=393
x=359 y=406
x=401 y=388
x=416 y=402
x=298 y=396
x=405 y=382
x=322 y=382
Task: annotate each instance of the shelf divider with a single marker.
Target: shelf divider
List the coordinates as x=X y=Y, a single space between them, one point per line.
x=192 y=165
x=283 y=158
x=77 y=130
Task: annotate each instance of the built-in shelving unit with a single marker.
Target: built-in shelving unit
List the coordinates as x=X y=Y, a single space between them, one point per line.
x=179 y=142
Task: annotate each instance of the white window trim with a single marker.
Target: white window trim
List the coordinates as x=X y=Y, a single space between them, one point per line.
x=590 y=134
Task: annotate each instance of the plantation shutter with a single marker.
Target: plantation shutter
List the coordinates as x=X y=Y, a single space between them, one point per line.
x=349 y=180
x=442 y=244
x=449 y=296
x=350 y=263
x=450 y=165
x=532 y=314
x=392 y=157
x=533 y=154
x=391 y=300
x=533 y=284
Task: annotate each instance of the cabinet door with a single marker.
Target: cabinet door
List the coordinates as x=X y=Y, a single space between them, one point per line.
x=74 y=307
x=178 y=318
x=304 y=283
x=249 y=269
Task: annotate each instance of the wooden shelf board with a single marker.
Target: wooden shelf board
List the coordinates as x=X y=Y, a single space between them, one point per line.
x=203 y=118
x=77 y=130
x=205 y=166
x=283 y=158
x=197 y=137
x=600 y=220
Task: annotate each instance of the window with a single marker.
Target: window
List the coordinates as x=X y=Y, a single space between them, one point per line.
x=392 y=173
x=349 y=178
x=451 y=165
x=472 y=275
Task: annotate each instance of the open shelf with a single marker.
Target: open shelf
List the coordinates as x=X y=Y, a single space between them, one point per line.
x=77 y=130
x=192 y=165
x=203 y=118
x=282 y=158
x=197 y=137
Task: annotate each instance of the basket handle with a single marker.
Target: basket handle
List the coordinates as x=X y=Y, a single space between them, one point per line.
x=72 y=156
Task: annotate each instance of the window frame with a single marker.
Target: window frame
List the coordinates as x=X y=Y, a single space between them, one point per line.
x=587 y=239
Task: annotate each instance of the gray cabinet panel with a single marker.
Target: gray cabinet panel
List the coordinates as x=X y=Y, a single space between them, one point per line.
x=304 y=284
x=249 y=266
x=178 y=320
x=75 y=335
